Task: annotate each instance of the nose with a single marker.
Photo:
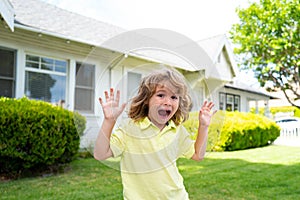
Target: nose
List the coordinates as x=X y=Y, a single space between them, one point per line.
x=168 y=102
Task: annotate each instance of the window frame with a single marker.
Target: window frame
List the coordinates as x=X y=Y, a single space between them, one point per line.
x=45 y=71
x=13 y=78
x=84 y=87
x=138 y=75
x=223 y=101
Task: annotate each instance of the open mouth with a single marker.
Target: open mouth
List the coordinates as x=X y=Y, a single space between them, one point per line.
x=164 y=113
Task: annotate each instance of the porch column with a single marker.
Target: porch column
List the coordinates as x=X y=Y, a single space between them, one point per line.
x=256 y=107
x=267 y=109
x=71 y=85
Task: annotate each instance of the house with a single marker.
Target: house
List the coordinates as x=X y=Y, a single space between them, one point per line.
x=231 y=93
x=54 y=55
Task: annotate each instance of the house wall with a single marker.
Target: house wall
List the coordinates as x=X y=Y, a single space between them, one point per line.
x=110 y=68
x=26 y=42
x=223 y=69
x=247 y=100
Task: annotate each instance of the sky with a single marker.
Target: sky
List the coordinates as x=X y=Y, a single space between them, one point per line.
x=196 y=19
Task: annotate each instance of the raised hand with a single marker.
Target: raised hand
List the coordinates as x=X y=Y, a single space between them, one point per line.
x=206 y=113
x=110 y=107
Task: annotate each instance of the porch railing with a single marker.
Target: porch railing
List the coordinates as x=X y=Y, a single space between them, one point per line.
x=289 y=136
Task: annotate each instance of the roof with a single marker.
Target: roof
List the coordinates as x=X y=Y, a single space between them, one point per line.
x=41 y=17
x=46 y=18
x=214 y=46
x=7 y=13
x=237 y=85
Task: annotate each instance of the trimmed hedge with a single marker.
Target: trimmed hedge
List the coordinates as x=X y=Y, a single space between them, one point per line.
x=37 y=135
x=236 y=130
x=274 y=110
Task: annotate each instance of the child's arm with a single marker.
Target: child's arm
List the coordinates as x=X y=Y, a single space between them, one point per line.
x=204 y=122
x=111 y=111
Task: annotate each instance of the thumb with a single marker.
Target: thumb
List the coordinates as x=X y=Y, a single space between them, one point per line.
x=123 y=106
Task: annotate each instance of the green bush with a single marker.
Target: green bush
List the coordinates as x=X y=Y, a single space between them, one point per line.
x=274 y=110
x=36 y=135
x=236 y=130
x=297 y=112
x=214 y=130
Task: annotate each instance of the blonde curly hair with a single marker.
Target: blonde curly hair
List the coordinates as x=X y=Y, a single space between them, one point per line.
x=139 y=106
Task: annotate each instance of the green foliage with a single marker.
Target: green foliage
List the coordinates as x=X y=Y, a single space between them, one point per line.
x=80 y=123
x=266 y=173
x=268 y=42
x=236 y=131
x=36 y=135
x=297 y=112
x=275 y=110
x=246 y=130
x=214 y=130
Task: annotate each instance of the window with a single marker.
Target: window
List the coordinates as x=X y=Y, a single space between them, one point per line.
x=236 y=103
x=222 y=101
x=133 y=82
x=7 y=73
x=45 y=79
x=84 y=89
x=229 y=102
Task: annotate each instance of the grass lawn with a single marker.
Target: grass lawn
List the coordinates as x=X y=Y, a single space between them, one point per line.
x=271 y=172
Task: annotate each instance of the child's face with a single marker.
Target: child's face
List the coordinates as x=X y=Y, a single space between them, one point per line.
x=163 y=105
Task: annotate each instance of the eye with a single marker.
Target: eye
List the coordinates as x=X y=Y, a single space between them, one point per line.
x=160 y=95
x=174 y=97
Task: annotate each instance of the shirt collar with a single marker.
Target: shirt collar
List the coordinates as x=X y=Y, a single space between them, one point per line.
x=145 y=123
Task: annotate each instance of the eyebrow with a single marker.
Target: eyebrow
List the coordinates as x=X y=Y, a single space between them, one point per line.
x=163 y=90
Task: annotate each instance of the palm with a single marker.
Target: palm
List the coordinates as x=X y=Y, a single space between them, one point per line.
x=206 y=114
x=111 y=108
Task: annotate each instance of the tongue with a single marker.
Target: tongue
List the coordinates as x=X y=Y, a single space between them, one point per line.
x=162 y=112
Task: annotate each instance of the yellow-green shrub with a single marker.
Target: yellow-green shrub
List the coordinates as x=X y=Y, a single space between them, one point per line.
x=235 y=130
x=36 y=135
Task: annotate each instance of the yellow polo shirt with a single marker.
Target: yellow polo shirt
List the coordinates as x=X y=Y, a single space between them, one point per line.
x=148 y=159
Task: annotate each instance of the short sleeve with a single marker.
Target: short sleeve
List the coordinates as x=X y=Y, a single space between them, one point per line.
x=186 y=146
x=117 y=142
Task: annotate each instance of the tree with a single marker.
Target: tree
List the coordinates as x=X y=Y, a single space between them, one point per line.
x=268 y=42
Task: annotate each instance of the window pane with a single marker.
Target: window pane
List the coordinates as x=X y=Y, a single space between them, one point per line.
x=133 y=83
x=60 y=66
x=6 y=88
x=84 y=99
x=46 y=87
x=229 y=102
x=85 y=75
x=7 y=72
x=84 y=91
x=32 y=58
x=7 y=63
x=236 y=103
x=222 y=101
x=32 y=65
x=48 y=61
x=47 y=67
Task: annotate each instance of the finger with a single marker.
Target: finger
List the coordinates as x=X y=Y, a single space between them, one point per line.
x=112 y=95
x=118 y=96
x=204 y=104
x=210 y=105
x=123 y=106
x=106 y=95
x=101 y=101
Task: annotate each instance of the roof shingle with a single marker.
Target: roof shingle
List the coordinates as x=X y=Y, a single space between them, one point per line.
x=42 y=16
